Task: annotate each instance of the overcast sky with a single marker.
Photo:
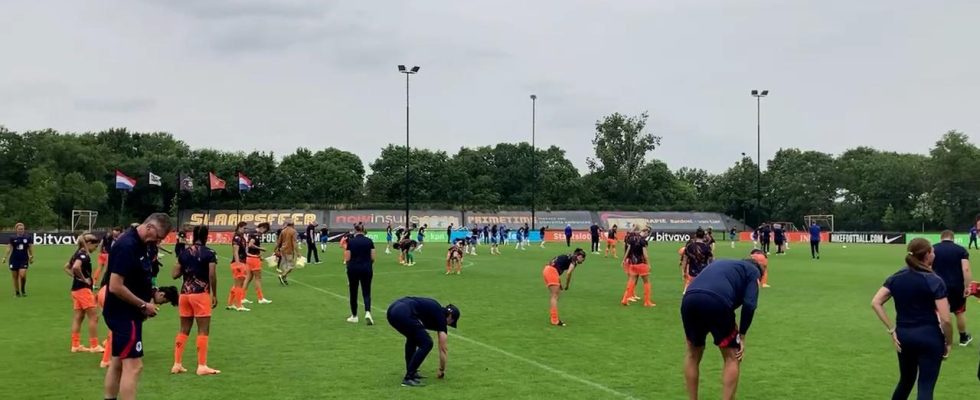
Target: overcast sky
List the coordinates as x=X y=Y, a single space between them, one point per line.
x=277 y=74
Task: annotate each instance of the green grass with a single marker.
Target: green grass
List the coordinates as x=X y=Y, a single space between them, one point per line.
x=814 y=335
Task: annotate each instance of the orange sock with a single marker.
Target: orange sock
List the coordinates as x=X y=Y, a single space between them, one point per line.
x=93 y=342
x=630 y=287
x=202 y=349
x=239 y=296
x=258 y=292
x=647 y=293
x=98 y=272
x=76 y=339
x=231 y=296
x=765 y=276
x=107 y=354
x=554 y=315
x=179 y=348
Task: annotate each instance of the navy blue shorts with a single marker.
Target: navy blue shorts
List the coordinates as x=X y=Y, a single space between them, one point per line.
x=701 y=314
x=127 y=337
x=17 y=264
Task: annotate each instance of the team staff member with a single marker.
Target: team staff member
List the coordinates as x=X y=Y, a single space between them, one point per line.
x=21 y=255
x=254 y=262
x=568 y=235
x=709 y=306
x=311 y=254
x=815 y=241
x=765 y=234
x=412 y=316
x=198 y=296
x=594 y=235
x=286 y=247
x=952 y=264
x=161 y=295
x=107 y=240
x=79 y=267
x=921 y=341
x=779 y=236
x=127 y=303
x=359 y=257
x=552 y=278
x=637 y=264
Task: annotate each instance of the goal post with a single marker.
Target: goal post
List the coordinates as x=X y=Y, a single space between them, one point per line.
x=83 y=220
x=825 y=221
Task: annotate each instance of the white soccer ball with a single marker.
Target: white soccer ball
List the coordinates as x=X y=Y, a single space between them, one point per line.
x=845 y=246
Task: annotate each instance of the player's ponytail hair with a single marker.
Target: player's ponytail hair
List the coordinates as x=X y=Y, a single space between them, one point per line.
x=201 y=235
x=85 y=238
x=918 y=252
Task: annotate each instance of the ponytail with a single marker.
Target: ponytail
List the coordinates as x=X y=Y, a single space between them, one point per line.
x=918 y=251
x=83 y=239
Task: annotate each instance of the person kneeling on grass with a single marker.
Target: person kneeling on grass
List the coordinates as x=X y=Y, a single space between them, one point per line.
x=709 y=306
x=412 y=316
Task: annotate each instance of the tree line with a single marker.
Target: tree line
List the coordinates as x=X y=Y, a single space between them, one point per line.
x=45 y=174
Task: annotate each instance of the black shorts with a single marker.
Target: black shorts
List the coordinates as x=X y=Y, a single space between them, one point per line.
x=702 y=313
x=16 y=265
x=127 y=337
x=957 y=303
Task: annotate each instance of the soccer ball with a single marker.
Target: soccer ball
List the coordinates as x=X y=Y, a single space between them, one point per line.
x=845 y=246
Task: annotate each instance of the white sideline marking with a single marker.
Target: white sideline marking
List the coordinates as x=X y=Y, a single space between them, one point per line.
x=555 y=371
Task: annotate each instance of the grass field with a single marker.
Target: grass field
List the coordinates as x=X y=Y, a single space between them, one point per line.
x=814 y=336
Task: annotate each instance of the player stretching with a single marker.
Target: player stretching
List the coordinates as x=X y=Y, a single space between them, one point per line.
x=494 y=248
x=637 y=263
x=238 y=268
x=611 y=242
x=198 y=295
x=697 y=256
x=79 y=267
x=541 y=231
x=104 y=251
x=21 y=255
x=552 y=278
x=709 y=306
x=254 y=263
x=454 y=259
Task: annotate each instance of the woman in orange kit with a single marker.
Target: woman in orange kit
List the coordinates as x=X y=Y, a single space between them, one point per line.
x=198 y=296
x=83 y=300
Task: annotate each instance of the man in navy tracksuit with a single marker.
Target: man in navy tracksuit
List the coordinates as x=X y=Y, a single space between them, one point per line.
x=815 y=241
x=709 y=306
x=412 y=316
x=568 y=235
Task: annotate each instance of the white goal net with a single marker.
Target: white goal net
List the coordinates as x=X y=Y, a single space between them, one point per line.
x=83 y=220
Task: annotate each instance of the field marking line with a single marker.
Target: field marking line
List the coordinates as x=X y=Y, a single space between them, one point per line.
x=553 y=370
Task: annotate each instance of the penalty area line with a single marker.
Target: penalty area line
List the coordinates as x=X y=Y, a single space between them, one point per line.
x=555 y=371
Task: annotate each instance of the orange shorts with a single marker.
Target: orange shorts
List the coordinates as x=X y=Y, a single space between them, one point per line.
x=103 y=258
x=195 y=305
x=100 y=297
x=551 y=277
x=82 y=299
x=254 y=263
x=610 y=241
x=239 y=270
x=639 y=269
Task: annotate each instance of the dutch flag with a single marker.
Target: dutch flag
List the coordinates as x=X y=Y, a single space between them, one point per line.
x=244 y=184
x=124 y=182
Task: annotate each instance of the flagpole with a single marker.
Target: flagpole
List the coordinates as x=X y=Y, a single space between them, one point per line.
x=177 y=199
x=122 y=205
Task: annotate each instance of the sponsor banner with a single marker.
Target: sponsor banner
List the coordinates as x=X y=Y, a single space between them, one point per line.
x=793 y=236
x=658 y=236
x=663 y=221
x=868 y=237
x=550 y=219
x=559 y=236
x=225 y=220
x=379 y=219
x=962 y=240
x=46 y=238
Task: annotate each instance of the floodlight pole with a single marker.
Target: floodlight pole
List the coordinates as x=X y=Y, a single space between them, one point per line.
x=534 y=164
x=408 y=73
x=758 y=143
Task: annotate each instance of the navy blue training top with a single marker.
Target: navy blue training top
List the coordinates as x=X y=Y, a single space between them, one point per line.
x=815 y=233
x=360 y=247
x=735 y=283
x=949 y=263
x=429 y=312
x=915 y=294
x=129 y=257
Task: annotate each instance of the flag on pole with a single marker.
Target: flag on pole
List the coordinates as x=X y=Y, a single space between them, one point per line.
x=244 y=184
x=124 y=182
x=155 y=180
x=186 y=183
x=216 y=183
